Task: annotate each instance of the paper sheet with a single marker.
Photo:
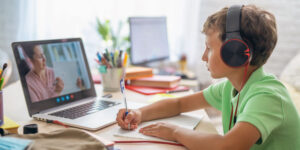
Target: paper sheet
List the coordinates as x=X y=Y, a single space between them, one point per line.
x=183 y=120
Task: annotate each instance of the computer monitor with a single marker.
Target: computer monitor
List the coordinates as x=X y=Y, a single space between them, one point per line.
x=149 y=39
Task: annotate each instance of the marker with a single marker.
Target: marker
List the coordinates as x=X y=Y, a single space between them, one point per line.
x=112 y=58
x=116 y=58
x=120 y=59
x=1 y=83
x=99 y=56
x=125 y=59
x=3 y=69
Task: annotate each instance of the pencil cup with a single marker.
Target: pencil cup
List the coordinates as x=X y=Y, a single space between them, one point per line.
x=111 y=78
x=1 y=109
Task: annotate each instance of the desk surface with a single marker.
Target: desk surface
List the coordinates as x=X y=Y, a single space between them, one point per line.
x=15 y=108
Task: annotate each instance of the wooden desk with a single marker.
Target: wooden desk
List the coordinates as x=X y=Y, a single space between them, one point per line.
x=15 y=108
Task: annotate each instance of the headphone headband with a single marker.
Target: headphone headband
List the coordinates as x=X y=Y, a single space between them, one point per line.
x=233 y=22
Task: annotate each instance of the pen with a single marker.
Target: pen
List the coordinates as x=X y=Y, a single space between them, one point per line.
x=122 y=85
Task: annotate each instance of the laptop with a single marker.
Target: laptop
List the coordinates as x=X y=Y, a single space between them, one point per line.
x=57 y=84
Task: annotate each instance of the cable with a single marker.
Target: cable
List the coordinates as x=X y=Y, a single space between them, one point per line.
x=155 y=142
x=237 y=103
x=56 y=122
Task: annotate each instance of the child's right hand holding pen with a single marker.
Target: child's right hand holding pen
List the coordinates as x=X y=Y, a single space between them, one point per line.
x=134 y=117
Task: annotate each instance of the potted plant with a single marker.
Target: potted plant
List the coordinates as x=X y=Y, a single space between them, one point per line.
x=112 y=39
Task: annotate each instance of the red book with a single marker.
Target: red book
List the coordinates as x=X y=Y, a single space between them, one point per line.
x=159 y=81
x=151 y=91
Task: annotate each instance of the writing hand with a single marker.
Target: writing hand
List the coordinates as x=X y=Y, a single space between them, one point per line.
x=133 y=118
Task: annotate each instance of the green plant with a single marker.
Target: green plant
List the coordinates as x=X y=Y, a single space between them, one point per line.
x=113 y=39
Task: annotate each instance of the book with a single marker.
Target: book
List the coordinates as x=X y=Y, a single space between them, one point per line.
x=10 y=125
x=134 y=72
x=159 y=81
x=151 y=91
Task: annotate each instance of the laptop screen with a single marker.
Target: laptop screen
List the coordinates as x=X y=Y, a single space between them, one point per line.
x=53 y=72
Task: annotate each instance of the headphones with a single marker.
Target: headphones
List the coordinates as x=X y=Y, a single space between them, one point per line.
x=234 y=51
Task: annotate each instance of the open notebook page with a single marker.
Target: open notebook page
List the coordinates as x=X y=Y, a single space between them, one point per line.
x=183 y=120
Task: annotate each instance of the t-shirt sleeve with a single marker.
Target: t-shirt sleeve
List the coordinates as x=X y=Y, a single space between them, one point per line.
x=265 y=112
x=213 y=94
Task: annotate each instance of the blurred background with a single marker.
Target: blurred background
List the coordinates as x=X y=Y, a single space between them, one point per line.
x=51 y=19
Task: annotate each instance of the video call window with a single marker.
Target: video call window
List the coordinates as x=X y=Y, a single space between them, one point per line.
x=51 y=70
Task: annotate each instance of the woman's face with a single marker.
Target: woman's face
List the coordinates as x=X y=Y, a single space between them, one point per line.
x=39 y=60
x=212 y=56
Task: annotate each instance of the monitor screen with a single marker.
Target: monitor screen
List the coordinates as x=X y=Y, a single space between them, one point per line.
x=149 y=39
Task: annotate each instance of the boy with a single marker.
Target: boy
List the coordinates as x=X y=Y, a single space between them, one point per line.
x=257 y=111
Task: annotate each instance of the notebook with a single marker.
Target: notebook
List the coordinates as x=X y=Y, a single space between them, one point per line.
x=10 y=125
x=67 y=92
x=184 y=120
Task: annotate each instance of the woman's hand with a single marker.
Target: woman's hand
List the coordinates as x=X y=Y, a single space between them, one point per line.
x=160 y=130
x=131 y=121
x=79 y=83
x=59 y=86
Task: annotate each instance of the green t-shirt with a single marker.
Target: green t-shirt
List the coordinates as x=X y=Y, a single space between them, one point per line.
x=264 y=103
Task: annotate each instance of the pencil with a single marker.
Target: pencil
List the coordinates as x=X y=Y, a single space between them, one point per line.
x=125 y=59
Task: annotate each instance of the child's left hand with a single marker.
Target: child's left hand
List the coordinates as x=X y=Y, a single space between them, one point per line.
x=160 y=130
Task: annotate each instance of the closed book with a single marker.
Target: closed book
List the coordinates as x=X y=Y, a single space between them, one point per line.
x=10 y=125
x=159 y=81
x=138 y=72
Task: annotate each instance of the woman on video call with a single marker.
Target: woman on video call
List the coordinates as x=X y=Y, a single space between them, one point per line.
x=41 y=81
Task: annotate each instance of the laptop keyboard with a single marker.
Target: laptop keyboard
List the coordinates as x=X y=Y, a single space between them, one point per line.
x=85 y=109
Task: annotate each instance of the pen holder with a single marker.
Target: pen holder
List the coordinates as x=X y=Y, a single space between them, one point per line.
x=110 y=78
x=1 y=109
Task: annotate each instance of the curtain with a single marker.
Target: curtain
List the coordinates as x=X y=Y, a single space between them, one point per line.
x=52 y=19
x=17 y=23
x=69 y=18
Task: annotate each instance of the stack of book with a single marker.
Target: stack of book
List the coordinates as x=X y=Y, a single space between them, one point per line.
x=156 y=84
x=132 y=72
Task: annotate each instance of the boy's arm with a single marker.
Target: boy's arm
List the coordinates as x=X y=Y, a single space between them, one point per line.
x=241 y=137
x=174 y=106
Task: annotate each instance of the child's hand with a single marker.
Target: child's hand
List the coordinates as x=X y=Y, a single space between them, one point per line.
x=160 y=130
x=133 y=118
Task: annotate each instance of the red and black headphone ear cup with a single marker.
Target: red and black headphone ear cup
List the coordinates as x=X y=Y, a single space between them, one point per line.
x=235 y=53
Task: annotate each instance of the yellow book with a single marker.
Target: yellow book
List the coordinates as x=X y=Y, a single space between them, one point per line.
x=10 y=125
